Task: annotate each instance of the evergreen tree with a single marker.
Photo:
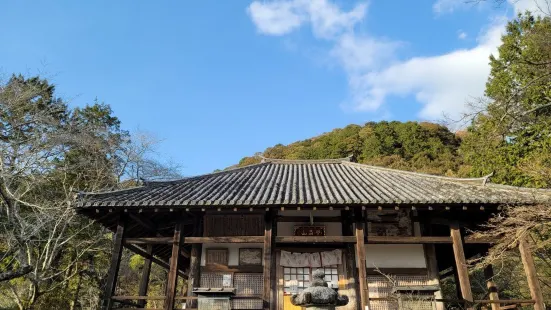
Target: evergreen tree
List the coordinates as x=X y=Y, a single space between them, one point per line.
x=512 y=136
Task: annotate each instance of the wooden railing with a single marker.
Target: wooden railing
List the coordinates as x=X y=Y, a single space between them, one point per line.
x=522 y=302
x=127 y=300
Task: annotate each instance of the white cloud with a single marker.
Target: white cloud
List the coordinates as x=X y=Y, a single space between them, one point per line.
x=283 y=16
x=535 y=6
x=276 y=18
x=447 y=6
x=358 y=54
x=462 y=35
x=441 y=83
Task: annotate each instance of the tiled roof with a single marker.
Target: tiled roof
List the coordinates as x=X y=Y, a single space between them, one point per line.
x=315 y=182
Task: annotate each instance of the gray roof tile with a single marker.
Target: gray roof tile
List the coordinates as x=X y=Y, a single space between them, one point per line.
x=315 y=182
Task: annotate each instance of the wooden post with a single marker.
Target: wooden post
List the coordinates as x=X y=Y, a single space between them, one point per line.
x=351 y=272
x=194 y=265
x=114 y=266
x=144 y=281
x=460 y=263
x=273 y=267
x=267 y=263
x=360 y=260
x=492 y=289
x=172 y=280
x=531 y=275
x=456 y=280
x=432 y=263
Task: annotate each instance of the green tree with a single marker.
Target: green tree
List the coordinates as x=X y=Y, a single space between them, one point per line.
x=424 y=147
x=48 y=153
x=512 y=135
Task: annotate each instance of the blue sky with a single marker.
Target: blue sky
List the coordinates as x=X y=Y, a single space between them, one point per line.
x=219 y=80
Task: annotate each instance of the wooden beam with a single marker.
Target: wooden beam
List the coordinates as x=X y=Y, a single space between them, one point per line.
x=232 y=269
x=315 y=239
x=139 y=297
x=397 y=271
x=408 y=240
x=376 y=239
x=267 y=263
x=149 y=240
x=146 y=271
x=361 y=261
x=236 y=239
x=144 y=222
x=306 y=219
x=460 y=263
x=150 y=298
x=173 y=271
x=422 y=240
x=492 y=289
x=531 y=274
x=113 y=272
x=151 y=227
x=156 y=260
x=476 y=301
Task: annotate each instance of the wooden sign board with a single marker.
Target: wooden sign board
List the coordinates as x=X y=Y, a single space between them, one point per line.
x=309 y=230
x=250 y=257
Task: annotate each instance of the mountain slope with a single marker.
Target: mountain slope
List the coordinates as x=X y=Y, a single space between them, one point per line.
x=423 y=147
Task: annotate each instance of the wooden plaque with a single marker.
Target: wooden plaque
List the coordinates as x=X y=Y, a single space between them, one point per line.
x=309 y=230
x=250 y=257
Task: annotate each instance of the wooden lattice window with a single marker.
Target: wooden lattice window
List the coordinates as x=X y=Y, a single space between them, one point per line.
x=217 y=257
x=248 y=284
x=301 y=277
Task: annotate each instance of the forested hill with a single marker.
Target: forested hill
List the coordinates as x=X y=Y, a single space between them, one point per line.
x=416 y=146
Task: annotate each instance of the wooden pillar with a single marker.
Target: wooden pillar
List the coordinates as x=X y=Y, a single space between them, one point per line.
x=460 y=263
x=360 y=261
x=531 y=275
x=267 y=262
x=273 y=267
x=349 y=263
x=456 y=281
x=172 y=280
x=194 y=265
x=113 y=272
x=432 y=263
x=144 y=281
x=492 y=289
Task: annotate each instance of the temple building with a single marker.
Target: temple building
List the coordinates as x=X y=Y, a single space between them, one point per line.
x=250 y=237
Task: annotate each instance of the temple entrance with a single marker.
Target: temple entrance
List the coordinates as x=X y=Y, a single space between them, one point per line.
x=295 y=270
